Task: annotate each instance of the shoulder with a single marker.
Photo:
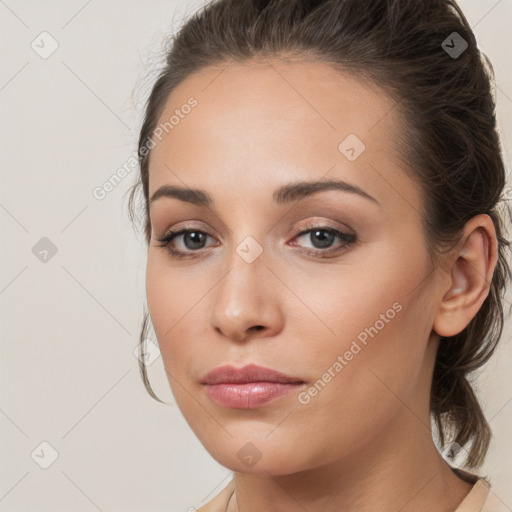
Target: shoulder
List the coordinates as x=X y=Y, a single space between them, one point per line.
x=494 y=504
x=481 y=498
x=219 y=502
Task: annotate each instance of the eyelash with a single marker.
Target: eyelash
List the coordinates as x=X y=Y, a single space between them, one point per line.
x=349 y=239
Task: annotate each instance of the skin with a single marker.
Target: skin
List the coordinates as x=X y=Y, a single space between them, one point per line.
x=364 y=442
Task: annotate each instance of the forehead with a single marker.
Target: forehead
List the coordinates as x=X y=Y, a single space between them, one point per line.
x=261 y=122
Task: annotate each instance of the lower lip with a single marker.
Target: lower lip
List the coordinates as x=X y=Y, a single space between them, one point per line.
x=249 y=395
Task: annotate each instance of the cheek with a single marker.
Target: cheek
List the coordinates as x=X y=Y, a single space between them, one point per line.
x=177 y=303
x=372 y=342
x=361 y=385
x=367 y=300
x=160 y=301
x=171 y=292
x=168 y=302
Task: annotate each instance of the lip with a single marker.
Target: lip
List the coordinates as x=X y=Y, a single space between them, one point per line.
x=228 y=374
x=248 y=387
x=249 y=395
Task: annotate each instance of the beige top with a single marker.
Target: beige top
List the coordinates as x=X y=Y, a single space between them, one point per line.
x=479 y=499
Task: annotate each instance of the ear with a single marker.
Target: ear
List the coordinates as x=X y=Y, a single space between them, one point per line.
x=469 y=277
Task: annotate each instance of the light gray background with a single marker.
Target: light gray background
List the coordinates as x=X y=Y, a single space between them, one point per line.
x=69 y=326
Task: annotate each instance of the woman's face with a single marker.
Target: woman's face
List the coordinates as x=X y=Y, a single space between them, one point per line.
x=267 y=279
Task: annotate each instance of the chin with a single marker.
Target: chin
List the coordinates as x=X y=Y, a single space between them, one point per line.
x=255 y=455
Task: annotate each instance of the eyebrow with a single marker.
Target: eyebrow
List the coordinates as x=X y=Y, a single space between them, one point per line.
x=285 y=194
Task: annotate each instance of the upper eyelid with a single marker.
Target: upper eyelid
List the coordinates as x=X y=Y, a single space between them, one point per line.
x=310 y=224
x=296 y=231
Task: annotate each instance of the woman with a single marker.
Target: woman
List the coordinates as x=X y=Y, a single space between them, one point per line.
x=326 y=256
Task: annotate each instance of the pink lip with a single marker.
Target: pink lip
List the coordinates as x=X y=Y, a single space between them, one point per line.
x=250 y=394
x=248 y=387
x=228 y=374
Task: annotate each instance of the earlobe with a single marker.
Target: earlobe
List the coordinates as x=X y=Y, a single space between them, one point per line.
x=469 y=278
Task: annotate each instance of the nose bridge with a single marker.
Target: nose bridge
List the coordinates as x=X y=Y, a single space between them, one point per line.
x=246 y=273
x=244 y=297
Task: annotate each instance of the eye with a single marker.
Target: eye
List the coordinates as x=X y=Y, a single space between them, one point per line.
x=322 y=238
x=193 y=240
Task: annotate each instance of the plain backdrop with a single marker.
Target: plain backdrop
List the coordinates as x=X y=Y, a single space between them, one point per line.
x=73 y=79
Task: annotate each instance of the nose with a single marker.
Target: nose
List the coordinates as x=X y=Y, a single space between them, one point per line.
x=246 y=303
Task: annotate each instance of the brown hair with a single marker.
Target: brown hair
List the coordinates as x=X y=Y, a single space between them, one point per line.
x=449 y=141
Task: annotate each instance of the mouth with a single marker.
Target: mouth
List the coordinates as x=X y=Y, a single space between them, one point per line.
x=248 y=387
x=249 y=395
x=228 y=374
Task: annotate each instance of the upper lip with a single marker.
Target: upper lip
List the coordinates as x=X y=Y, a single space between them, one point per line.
x=228 y=374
